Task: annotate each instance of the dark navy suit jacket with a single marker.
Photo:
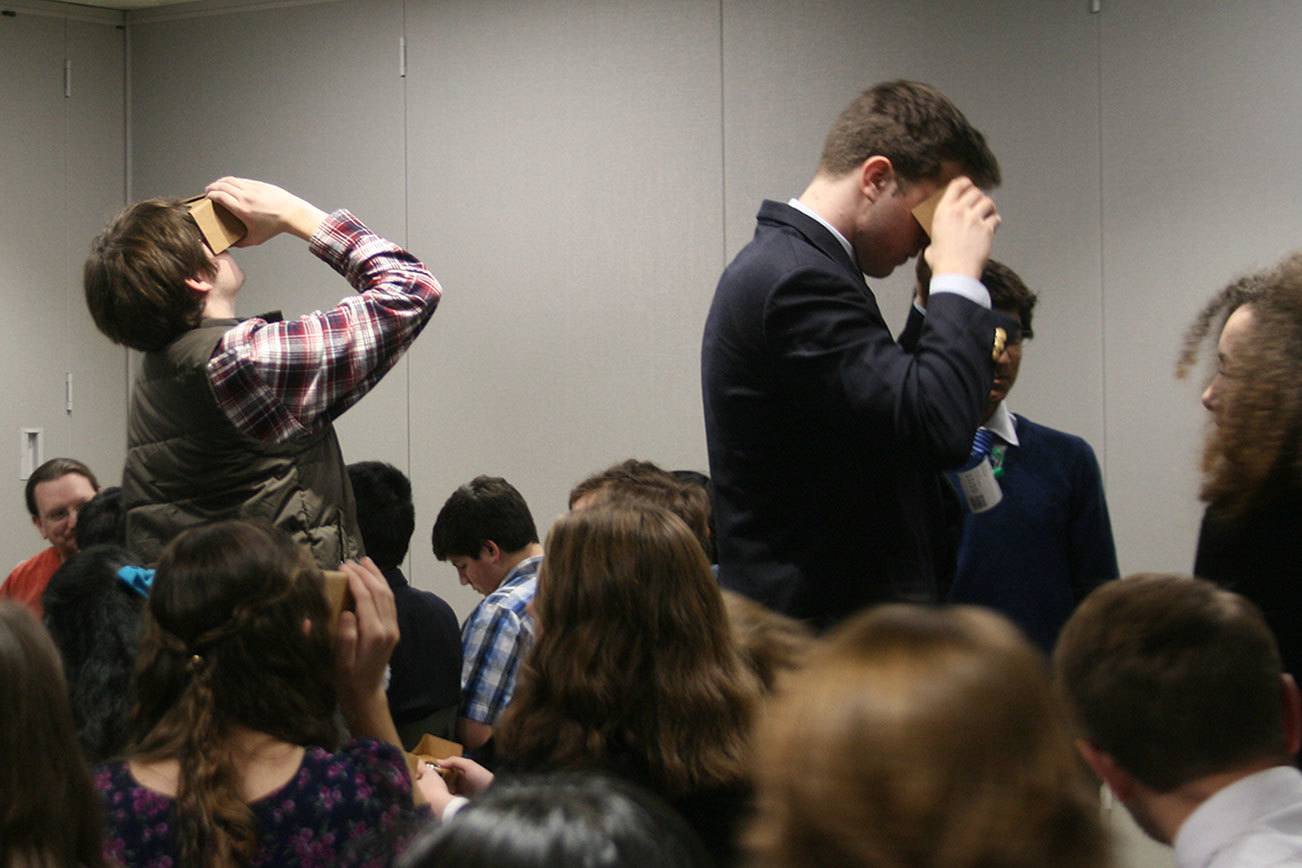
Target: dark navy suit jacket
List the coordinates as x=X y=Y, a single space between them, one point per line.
x=825 y=434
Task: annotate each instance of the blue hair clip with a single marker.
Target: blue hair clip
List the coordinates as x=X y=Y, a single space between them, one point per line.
x=138 y=579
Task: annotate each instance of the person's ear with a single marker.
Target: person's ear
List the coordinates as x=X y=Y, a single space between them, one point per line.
x=1119 y=781
x=201 y=285
x=875 y=175
x=1292 y=714
x=36 y=523
x=307 y=626
x=491 y=550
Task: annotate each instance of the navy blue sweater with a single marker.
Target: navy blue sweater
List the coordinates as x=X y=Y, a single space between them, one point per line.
x=1047 y=544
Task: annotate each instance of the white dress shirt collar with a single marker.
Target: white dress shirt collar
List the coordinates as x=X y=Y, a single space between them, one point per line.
x=814 y=215
x=1001 y=423
x=1266 y=806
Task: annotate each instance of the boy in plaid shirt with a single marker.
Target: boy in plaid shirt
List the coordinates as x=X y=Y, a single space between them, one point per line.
x=487 y=532
x=233 y=417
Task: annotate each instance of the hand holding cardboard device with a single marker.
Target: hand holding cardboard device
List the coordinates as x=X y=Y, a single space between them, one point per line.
x=220 y=227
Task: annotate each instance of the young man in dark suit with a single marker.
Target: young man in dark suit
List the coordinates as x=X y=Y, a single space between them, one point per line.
x=826 y=435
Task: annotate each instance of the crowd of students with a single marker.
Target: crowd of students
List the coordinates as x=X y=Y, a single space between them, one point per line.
x=196 y=698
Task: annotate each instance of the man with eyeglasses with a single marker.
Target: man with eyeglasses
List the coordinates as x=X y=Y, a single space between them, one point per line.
x=55 y=492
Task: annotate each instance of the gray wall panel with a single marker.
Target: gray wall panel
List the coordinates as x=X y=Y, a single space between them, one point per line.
x=565 y=186
x=95 y=192
x=1200 y=133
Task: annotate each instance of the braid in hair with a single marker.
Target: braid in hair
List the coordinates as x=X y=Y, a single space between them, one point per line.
x=214 y=825
x=228 y=645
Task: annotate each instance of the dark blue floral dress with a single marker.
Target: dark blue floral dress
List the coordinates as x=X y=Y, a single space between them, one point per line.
x=345 y=808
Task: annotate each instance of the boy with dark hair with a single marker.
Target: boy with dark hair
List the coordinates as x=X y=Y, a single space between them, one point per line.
x=424 y=689
x=1047 y=543
x=55 y=493
x=824 y=433
x=486 y=531
x=233 y=418
x=1185 y=713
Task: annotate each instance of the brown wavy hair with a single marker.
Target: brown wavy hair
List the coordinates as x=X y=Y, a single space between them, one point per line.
x=922 y=738
x=134 y=278
x=633 y=668
x=49 y=809
x=1256 y=441
x=224 y=644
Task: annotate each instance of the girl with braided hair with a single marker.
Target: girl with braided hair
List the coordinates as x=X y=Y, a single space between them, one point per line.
x=236 y=756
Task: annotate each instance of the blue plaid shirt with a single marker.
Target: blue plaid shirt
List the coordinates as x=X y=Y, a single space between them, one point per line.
x=494 y=641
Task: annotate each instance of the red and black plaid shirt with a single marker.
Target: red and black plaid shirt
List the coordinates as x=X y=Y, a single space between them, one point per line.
x=274 y=380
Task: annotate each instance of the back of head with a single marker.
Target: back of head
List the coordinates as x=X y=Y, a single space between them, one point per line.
x=645 y=482
x=574 y=819
x=771 y=643
x=235 y=634
x=1257 y=440
x=1205 y=652
x=921 y=737
x=135 y=275
x=485 y=508
x=633 y=664
x=916 y=127
x=102 y=520
x=385 y=513
x=49 y=810
x=94 y=620
x=51 y=470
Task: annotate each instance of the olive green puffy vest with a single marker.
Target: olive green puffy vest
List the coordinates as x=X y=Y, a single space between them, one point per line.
x=187 y=464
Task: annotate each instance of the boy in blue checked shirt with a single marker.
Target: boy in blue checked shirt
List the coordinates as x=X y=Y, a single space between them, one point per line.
x=487 y=532
x=232 y=418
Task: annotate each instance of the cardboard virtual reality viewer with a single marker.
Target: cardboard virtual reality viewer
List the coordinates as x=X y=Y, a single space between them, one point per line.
x=338 y=596
x=925 y=211
x=220 y=227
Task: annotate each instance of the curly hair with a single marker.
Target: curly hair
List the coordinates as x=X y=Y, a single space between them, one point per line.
x=1255 y=442
x=922 y=738
x=224 y=645
x=95 y=622
x=633 y=668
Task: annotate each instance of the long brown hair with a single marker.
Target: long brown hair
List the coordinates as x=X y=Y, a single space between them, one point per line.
x=1256 y=439
x=225 y=644
x=633 y=666
x=922 y=738
x=49 y=809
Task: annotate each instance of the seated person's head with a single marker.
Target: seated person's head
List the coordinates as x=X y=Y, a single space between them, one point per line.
x=49 y=809
x=632 y=662
x=102 y=520
x=240 y=609
x=562 y=818
x=916 y=736
x=483 y=529
x=386 y=516
x=235 y=635
x=771 y=643
x=646 y=482
x=94 y=618
x=135 y=277
x=1254 y=397
x=1171 y=680
x=923 y=134
x=55 y=493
